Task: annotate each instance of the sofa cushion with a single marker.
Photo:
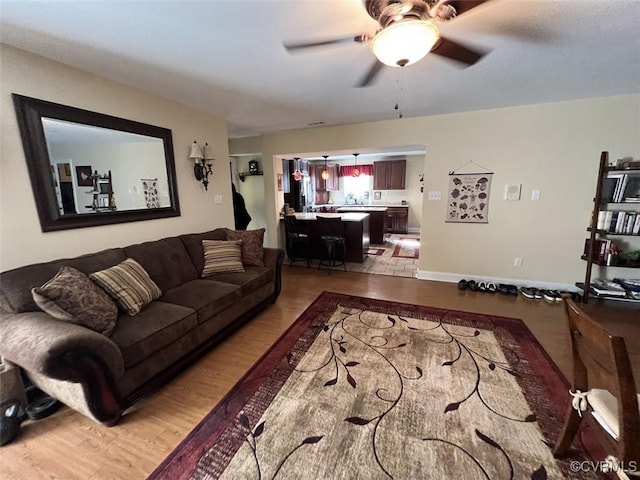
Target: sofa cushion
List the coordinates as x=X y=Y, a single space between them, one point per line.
x=193 y=243
x=72 y=297
x=250 y=280
x=166 y=261
x=252 y=249
x=129 y=285
x=157 y=326
x=16 y=284
x=206 y=297
x=222 y=256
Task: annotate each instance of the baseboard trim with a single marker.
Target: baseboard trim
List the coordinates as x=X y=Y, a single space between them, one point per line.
x=456 y=277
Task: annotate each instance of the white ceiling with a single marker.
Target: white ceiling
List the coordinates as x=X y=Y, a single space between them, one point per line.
x=226 y=56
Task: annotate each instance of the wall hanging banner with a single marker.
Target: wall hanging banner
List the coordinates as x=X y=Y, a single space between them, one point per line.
x=468 y=197
x=150 y=188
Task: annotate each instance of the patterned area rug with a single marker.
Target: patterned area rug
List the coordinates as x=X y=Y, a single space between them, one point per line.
x=369 y=389
x=397 y=257
x=375 y=251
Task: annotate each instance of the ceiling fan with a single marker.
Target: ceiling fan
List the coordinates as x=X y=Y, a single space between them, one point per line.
x=408 y=32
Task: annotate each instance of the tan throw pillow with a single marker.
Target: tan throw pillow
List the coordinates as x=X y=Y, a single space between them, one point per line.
x=252 y=249
x=222 y=256
x=72 y=297
x=129 y=284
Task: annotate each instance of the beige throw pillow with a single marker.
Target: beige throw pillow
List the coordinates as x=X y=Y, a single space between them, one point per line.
x=252 y=249
x=129 y=284
x=222 y=256
x=72 y=297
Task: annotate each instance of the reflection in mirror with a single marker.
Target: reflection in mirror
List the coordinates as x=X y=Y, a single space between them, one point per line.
x=82 y=156
x=88 y=169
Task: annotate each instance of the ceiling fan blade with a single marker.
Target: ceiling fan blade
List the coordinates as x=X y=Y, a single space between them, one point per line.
x=456 y=51
x=463 y=6
x=371 y=74
x=294 y=47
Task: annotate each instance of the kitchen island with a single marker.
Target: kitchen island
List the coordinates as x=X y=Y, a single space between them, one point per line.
x=356 y=233
x=377 y=217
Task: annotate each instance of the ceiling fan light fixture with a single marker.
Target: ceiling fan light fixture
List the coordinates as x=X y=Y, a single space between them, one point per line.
x=404 y=42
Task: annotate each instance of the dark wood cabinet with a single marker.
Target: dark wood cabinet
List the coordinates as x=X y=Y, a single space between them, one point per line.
x=397 y=220
x=389 y=175
x=320 y=184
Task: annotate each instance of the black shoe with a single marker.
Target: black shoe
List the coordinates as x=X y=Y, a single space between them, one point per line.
x=552 y=295
x=473 y=286
x=462 y=284
x=513 y=290
x=482 y=287
x=529 y=292
x=503 y=288
x=491 y=287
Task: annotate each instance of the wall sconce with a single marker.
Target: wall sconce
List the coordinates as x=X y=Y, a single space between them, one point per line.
x=201 y=168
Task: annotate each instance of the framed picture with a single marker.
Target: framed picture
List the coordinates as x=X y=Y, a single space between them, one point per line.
x=83 y=174
x=279 y=178
x=377 y=195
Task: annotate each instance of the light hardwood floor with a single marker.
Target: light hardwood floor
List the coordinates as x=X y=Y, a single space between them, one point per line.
x=69 y=446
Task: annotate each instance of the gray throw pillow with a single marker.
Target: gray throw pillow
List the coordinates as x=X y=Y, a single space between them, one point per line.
x=71 y=296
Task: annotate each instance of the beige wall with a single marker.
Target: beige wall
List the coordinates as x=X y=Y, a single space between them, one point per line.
x=21 y=240
x=552 y=147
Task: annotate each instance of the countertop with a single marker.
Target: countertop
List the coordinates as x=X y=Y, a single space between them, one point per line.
x=347 y=217
x=372 y=205
x=362 y=208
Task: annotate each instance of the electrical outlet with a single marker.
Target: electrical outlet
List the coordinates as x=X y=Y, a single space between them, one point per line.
x=535 y=194
x=517 y=262
x=435 y=196
x=217 y=199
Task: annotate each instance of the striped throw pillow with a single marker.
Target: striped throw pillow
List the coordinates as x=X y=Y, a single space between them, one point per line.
x=129 y=284
x=222 y=256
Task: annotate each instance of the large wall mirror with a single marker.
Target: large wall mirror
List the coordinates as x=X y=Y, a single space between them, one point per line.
x=91 y=169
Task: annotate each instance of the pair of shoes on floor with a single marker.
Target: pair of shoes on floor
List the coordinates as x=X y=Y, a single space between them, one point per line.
x=537 y=294
x=474 y=286
x=507 y=289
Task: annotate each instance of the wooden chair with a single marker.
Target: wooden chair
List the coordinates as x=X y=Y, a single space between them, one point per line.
x=297 y=240
x=601 y=368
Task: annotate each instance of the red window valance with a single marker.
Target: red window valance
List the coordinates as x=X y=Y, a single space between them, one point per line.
x=347 y=170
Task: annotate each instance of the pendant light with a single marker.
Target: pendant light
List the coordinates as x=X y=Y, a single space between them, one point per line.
x=325 y=172
x=356 y=171
x=297 y=175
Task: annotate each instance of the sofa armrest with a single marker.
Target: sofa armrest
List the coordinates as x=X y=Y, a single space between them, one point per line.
x=273 y=258
x=40 y=343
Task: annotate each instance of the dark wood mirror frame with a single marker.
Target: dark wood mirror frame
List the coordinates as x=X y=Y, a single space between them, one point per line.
x=30 y=112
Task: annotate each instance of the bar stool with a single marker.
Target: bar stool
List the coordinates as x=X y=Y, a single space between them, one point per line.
x=331 y=239
x=296 y=239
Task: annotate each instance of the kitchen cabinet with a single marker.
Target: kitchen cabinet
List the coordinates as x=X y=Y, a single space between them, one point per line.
x=397 y=219
x=320 y=184
x=389 y=175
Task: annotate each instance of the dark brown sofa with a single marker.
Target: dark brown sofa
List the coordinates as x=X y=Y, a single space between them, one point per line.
x=101 y=376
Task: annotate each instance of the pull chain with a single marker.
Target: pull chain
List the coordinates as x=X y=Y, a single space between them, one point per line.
x=400 y=88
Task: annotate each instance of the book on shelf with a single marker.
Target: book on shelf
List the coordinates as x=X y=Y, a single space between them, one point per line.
x=631 y=193
x=606 y=287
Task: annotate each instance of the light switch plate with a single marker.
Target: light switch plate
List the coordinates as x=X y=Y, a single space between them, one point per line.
x=535 y=195
x=217 y=199
x=435 y=196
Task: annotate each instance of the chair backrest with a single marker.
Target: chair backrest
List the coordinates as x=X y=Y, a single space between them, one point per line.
x=600 y=360
x=291 y=225
x=330 y=226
